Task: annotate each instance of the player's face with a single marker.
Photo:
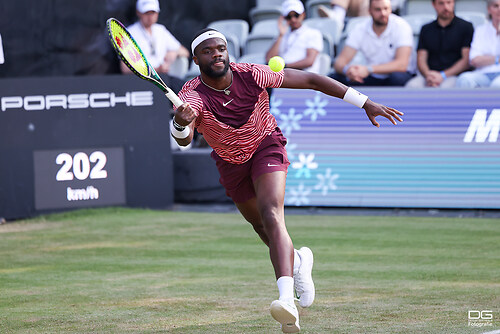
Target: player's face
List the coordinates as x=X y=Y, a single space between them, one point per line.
x=444 y=8
x=380 y=11
x=212 y=57
x=148 y=19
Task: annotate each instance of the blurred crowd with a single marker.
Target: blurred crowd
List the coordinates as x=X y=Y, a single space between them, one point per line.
x=412 y=43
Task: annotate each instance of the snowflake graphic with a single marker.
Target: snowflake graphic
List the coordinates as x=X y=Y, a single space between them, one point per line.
x=274 y=104
x=315 y=107
x=326 y=182
x=290 y=151
x=305 y=165
x=290 y=122
x=298 y=196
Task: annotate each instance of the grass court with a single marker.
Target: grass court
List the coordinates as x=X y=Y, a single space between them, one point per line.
x=139 y=271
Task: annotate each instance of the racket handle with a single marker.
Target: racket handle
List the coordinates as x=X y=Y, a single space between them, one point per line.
x=174 y=98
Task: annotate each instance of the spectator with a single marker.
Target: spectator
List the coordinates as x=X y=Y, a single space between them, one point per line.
x=485 y=53
x=2 y=60
x=158 y=44
x=443 y=48
x=339 y=9
x=342 y=8
x=297 y=44
x=386 y=43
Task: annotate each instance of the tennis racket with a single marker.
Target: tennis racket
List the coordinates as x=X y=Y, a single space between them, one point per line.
x=132 y=55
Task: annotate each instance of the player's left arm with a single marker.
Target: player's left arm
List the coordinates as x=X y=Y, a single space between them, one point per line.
x=307 y=80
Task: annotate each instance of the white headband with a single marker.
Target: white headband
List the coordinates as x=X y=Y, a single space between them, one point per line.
x=206 y=35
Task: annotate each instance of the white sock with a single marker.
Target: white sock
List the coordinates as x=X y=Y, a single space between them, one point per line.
x=285 y=287
x=296 y=261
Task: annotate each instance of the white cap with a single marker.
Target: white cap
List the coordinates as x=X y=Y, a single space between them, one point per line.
x=144 y=6
x=292 y=6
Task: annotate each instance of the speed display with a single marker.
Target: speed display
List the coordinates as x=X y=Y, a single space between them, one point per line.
x=79 y=178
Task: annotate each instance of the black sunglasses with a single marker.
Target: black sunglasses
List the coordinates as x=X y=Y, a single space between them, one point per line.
x=289 y=16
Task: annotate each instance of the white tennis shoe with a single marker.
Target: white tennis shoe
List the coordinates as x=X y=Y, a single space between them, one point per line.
x=302 y=279
x=286 y=314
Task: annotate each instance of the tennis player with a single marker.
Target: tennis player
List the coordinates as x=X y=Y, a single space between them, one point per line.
x=229 y=105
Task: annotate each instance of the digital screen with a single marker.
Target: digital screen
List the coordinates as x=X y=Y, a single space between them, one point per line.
x=79 y=178
x=445 y=154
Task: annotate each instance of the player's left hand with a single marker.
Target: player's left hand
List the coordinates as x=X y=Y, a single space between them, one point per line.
x=373 y=110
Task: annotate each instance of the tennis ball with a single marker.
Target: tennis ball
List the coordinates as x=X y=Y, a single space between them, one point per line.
x=276 y=63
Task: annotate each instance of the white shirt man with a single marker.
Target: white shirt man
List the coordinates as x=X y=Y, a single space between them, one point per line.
x=160 y=47
x=297 y=44
x=155 y=45
x=386 y=42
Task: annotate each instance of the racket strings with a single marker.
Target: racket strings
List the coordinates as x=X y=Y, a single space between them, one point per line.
x=128 y=49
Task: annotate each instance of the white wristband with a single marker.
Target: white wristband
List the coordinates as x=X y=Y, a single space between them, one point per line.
x=355 y=98
x=179 y=134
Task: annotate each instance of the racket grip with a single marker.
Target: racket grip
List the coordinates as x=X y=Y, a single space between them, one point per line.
x=174 y=98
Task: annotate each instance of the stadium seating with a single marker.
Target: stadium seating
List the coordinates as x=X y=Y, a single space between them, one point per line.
x=264 y=3
x=476 y=18
x=326 y=26
x=416 y=21
x=257 y=14
x=425 y=6
x=414 y=7
x=325 y=63
x=312 y=7
x=256 y=58
x=471 y=6
x=261 y=36
x=265 y=27
x=237 y=27
x=259 y=43
x=179 y=67
x=233 y=45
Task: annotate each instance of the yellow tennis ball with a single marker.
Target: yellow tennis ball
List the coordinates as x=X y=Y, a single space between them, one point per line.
x=276 y=63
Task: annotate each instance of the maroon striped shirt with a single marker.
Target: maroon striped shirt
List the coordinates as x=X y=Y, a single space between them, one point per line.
x=234 y=125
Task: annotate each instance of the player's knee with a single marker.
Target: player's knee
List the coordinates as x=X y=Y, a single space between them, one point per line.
x=271 y=216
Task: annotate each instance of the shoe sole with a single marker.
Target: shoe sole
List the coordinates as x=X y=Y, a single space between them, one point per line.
x=289 y=323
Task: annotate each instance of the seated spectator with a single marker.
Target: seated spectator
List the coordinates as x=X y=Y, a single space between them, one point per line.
x=298 y=44
x=386 y=42
x=160 y=47
x=485 y=53
x=443 y=48
x=341 y=8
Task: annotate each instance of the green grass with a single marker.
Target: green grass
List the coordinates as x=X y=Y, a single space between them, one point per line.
x=140 y=271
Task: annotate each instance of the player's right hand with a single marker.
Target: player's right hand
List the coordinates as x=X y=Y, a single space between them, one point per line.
x=184 y=115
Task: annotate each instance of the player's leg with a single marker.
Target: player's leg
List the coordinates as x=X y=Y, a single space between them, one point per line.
x=250 y=212
x=270 y=195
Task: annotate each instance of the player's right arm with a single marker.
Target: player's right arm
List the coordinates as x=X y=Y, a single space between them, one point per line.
x=185 y=116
